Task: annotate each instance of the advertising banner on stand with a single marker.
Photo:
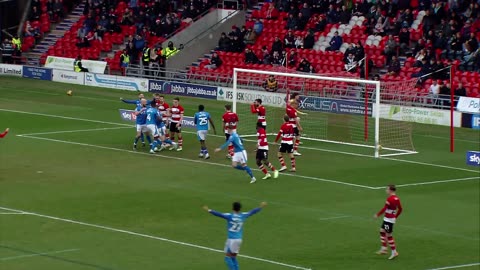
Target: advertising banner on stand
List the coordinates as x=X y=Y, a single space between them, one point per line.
x=68 y=76
x=11 y=70
x=38 y=73
x=67 y=64
x=182 y=89
x=249 y=96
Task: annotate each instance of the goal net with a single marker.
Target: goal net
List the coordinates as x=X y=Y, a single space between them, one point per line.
x=342 y=114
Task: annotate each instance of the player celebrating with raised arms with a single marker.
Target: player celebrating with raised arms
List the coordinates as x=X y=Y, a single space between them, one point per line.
x=259 y=109
x=392 y=209
x=239 y=159
x=262 y=153
x=235 y=223
x=229 y=120
x=141 y=114
x=201 y=120
x=294 y=120
x=176 y=118
x=3 y=134
x=287 y=133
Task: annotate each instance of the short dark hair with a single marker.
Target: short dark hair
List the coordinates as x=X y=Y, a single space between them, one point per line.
x=228 y=107
x=201 y=107
x=293 y=95
x=286 y=118
x=259 y=124
x=153 y=103
x=258 y=100
x=392 y=187
x=177 y=99
x=161 y=96
x=237 y=206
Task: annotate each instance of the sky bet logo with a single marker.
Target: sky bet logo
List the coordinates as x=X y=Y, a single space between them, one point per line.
x=473 y=158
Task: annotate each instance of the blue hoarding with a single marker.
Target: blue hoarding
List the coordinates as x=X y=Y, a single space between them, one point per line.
x=333 y=105
x=182 y=89
x=476 y=121
x=473 y=158
x=37 y=73
x=129 y=116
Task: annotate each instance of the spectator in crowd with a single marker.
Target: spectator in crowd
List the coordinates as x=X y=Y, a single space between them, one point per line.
x=237 y=45
x=224 y=42
x=304 y=66
x=438 y=69
x=85 y=42
x=292 y=23
x=127 y=17
x=390 y=48
x=404 y=40
x=335 y=42
x=444 y=95
x=191 y=12
x=250 y=36
x=113 y=27
x=306 y=11
x=456 y=42
x=291 y=59
x=321 y=24
x=471 y=45
x=49 y=6
x=277 y=45
x=440 y=41
x=344 y=15
x=394 y=66
x=359 y=52
x=31 y=31
x=272 y=13
x=124 y=59
x=99 y=32
x=380 y=26
x=350 y=63
x=433 y=92
x=419 y=57
x=270 y=84
x=350 y=50
x=301 y=22
x=460 y=91
x=299 y=42
x=332 y=15
x=428 y=21
x=258 y=27
x=7 y=51
x=289 y=40
x=215 y=61
x=309 y=40
x=103 y=21
x=89 y=23
x=276 y=58
x=250 y=57
x=35 y=14
x=266 y=56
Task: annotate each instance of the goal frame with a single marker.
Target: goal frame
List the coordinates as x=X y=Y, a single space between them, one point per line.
x=375 y=112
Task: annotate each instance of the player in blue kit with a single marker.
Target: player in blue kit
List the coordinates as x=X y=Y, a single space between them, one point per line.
x=160 y=129
x=239 y=159
x=141 y=114
x=152 y=116
x=137 y=103
x=235 y=222
x=201 y=120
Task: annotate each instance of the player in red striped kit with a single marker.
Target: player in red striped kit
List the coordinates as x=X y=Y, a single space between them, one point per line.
x=163 y=107
x=262 y=153
x=392 y=209
x=230 y=120
x=294 y=120
x=287 y=133
x=176 y=117
x=259 y=109
x=3 y=134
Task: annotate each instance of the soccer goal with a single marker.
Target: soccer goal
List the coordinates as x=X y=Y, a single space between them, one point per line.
x=342 y=114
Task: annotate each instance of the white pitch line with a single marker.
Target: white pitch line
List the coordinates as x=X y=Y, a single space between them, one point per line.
x=436 y=182
x=37 y=254
x=73 y=131
x=152 y=237
x=316 y=149
x=11 y=213
x=191 y=160
x=331 y=218
x=455 y=266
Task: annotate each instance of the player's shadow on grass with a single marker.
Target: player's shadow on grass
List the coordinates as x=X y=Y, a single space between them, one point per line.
x=29 y=252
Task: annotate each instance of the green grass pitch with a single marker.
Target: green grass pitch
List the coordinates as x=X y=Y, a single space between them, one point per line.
x=94 y=203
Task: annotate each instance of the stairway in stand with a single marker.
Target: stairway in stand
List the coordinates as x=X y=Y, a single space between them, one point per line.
x=33 y=56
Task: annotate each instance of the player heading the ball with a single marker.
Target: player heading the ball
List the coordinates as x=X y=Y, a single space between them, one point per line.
x=392 y=209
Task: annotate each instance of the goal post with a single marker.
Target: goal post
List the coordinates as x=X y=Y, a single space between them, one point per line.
x=341 y=111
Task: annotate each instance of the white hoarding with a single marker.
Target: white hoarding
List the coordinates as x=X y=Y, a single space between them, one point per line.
x=11 y=70
x=249 y=96
x=67 y=64
x=419 y=115
x=68 y=76
x=117 y=82
x=469 y=105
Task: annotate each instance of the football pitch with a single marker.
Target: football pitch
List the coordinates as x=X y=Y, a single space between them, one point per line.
x=74 y=195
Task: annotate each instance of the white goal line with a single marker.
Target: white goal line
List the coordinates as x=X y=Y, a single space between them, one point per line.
x=456 y=266
x=106 y=228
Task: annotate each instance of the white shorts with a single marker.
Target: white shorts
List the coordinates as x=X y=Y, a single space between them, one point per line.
x=162 y=131
x=142 y=128
x=202 y=135
x=233 y=246
x=234 y=130
x=240 y=157
x=152 y=129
